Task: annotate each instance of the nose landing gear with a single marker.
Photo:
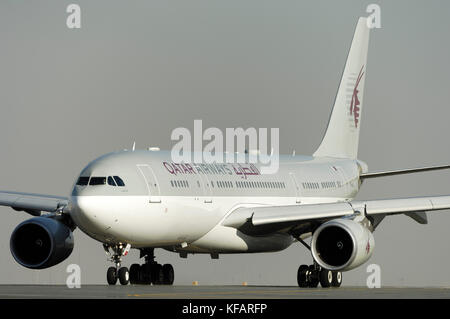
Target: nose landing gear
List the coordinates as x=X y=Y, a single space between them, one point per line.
x=117 y=273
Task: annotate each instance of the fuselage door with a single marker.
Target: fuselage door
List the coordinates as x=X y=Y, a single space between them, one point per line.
x=151 y=182
x=345 y=182
x=206 y=185
x=296 y=187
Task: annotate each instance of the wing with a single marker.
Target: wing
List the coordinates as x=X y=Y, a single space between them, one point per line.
x=33 y=204
x=299 y=219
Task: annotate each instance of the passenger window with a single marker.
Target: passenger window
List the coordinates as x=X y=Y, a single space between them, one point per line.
x=119 y=181
x=83 y=180
x=97 y=181
x=111 y=181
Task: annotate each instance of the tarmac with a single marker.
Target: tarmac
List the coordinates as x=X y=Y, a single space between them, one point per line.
x=215 y=292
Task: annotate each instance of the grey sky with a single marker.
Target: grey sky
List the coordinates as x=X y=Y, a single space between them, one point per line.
x=138 y=69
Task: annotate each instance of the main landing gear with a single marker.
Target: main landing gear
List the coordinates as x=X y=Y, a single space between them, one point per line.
x=151 y=272
x=310 y=276
x=148 y=273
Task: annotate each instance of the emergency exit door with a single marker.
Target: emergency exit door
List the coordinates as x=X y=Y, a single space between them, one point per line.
x=296 y=187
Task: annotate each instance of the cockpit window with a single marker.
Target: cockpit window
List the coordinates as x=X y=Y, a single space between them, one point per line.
x=119 y=181
x=97 y=181
x=83 y=180
x=111 y=181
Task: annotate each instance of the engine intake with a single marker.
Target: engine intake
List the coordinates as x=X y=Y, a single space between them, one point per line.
x=342 y=244
x=41 y=242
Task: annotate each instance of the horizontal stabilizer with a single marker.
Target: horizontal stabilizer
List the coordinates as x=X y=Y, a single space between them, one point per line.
x=403 y=171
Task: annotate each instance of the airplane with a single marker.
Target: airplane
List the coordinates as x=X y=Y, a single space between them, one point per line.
x=141 y=199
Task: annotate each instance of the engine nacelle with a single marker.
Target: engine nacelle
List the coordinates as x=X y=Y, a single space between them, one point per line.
x=41 y=242
x=342 y=244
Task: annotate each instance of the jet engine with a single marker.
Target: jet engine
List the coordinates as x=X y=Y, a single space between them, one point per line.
x=41 y=242
x=342 y=244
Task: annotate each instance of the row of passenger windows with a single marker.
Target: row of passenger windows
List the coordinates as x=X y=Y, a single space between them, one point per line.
x=100 y=180
x=179 y=184
x=223 y=184
x=328 y=184
x=261 y=185
x=308 y=185
x=229 y=184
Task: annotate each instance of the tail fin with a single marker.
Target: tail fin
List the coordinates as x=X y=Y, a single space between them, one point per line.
x=342 y=134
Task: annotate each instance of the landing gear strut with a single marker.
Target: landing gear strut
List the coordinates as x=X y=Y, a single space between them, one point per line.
x=117 y=273
x=151 y=272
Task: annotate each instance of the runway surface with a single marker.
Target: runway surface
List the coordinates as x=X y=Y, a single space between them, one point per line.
x=214 y=292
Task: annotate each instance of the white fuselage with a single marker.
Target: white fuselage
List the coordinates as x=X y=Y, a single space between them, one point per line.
x=181 y=207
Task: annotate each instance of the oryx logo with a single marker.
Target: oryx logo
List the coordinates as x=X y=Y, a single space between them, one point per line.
x=368 y=247
x=354 y=105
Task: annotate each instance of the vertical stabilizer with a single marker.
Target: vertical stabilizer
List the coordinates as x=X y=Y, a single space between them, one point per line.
x=342 y=134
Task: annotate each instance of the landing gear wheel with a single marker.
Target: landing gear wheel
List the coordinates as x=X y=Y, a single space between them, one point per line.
x=146 y=274
x=168 y=274
x=157 y=274
x=313 y=276
x=134 y=274
x=302 y=276
x=111 y=276
x=151 y=272
x=124 y=276
x=325 y=278
x=337 y=279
